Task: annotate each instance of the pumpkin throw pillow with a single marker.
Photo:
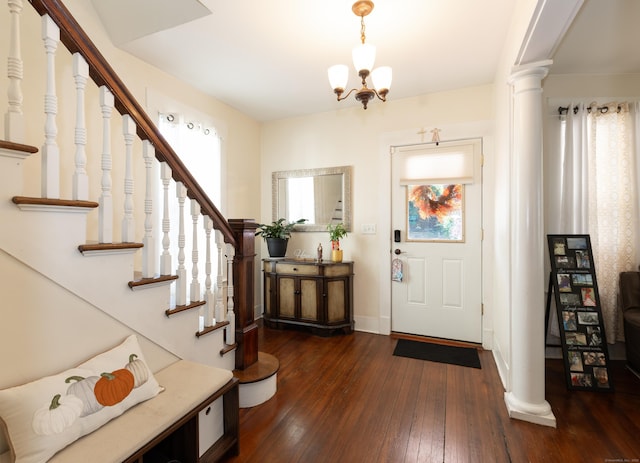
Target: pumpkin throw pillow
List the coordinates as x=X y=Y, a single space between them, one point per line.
x=44 y=416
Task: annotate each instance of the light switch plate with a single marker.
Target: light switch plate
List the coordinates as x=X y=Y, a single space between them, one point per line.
x=368 y=228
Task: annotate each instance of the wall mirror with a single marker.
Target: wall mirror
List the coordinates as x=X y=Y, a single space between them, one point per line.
x=322 y=196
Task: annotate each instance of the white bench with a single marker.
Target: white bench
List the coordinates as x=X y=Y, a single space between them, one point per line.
x=185 y=417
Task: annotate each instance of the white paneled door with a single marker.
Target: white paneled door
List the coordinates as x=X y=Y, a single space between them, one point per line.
x=436 y=241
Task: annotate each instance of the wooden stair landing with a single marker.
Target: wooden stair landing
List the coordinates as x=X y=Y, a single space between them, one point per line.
x=266 y=366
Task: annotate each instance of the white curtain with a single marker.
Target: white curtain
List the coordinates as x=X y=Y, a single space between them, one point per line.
x=592 y=190
x=199 y=148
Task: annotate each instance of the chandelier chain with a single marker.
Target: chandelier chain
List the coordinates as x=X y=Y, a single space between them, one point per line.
x=362 y=36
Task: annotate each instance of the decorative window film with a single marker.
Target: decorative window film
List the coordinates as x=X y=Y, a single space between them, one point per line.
x=435 y=212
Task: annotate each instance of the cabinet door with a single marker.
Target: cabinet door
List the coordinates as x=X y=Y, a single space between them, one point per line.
x=337 y=297
x=268 y=303
x=309 y=299
x=287 y=297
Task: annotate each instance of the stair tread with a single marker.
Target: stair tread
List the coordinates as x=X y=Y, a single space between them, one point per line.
x=17 y=146
x=266 y=366
x=54 y=202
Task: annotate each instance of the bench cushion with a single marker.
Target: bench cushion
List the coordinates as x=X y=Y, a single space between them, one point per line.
x=185 y=386
x=44 y=416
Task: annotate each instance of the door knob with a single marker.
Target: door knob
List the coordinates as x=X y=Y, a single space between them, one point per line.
x=397 y=252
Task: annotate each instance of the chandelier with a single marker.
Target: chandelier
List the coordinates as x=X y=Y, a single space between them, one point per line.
x=364 y=55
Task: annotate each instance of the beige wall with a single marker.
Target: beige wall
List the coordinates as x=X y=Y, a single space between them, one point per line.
x=355 y=137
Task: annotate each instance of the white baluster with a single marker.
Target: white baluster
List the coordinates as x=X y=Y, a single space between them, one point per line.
x=50 y=149
x=80 y=177
x=181 y=272
x=105 y=212
x=165 y=258
x=149 y=243
x=208 y=294
x=231 y=316
x=195 y=284
x=14 y=119
x=219 y=308
x=128 y=223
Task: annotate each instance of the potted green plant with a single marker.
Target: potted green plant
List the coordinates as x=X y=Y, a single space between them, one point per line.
x=336 y=232
x=277 y=234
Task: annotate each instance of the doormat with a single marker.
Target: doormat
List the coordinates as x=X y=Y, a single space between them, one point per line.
x=463 y=356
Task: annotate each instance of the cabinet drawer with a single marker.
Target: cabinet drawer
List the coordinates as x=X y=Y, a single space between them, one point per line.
x=296 y=269
x=337 y=270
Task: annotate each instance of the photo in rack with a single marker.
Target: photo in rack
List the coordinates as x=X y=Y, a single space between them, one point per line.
x=594 y=358
x=575 y=361
x=588 y=318
x=559 y=248
x=582 y=259
x=576 y=243
x=588 y=297
x=564 y=282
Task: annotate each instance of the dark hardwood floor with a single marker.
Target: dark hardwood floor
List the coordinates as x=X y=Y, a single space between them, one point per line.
x=348 y=399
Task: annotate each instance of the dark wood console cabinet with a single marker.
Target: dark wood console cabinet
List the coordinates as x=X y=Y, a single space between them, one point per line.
x=305 y=293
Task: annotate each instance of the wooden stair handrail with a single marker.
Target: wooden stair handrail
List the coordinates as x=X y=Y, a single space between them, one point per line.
x=77 y=41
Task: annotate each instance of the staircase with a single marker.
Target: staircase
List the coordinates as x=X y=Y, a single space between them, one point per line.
x=73 y=284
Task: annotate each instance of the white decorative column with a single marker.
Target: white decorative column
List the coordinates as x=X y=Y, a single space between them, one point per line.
x=165 y=258
x=219 y=311
x=231 y=316
x=181 y=272
x=209 y=318
x=14 y=118
x=80 y=177
x=105 y=212
x=128 y=224
x=149 y=241
x=195 y=293
x=50 y=150
x=526 y=398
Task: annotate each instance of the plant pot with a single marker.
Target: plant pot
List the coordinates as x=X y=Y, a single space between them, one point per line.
x=277 y=247
x=336 y=255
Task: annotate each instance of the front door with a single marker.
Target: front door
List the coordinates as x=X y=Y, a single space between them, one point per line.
x=436 y=243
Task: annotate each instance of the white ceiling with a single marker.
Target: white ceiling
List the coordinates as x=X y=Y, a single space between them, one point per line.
x=268 y=59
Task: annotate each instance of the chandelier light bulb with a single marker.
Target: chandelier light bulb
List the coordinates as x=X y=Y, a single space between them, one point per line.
x=338 y=76
x=381 y=77
x=364 y=55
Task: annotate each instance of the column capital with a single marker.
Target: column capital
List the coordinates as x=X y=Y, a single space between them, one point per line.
x=538 y=69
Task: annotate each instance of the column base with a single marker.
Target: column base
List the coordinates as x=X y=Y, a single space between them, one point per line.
x=538 y=414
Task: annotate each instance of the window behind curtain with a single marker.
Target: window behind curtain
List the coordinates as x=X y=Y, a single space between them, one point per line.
x=199 y=148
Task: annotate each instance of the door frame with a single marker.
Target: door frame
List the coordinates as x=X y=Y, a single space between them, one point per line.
x=473 y=130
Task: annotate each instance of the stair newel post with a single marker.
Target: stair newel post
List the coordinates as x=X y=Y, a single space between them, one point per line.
x=14 y=118
x=195 y=284
x=128 y=224
x=219 y=307
x=105 y=211
x=181 y=272
x=165 y=258
x=148 y=242
x=50 y=149
x=209 y=319
x=231 y=316
x=243 y=268
x=80 y=177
